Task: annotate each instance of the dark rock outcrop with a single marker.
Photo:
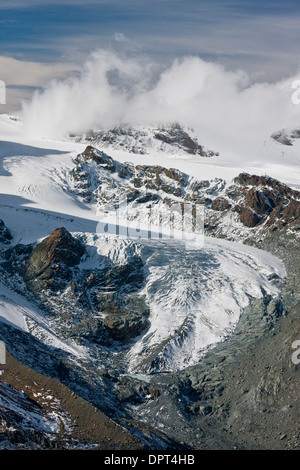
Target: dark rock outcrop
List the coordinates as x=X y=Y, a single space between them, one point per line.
x=266 y=200
x=100 y=306
x=125 y=326
x=53 y=257
x=220 y=204
x=5 y=235
x=98 y=157
x=177 y=137
x=249 y=218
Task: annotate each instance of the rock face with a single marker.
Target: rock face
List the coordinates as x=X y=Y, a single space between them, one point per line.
x=177 y=137
x=53 y=257
x=156 y=178
x=220 y=204
x=98 y=304
x=266 y=200
x=125 y=326
x=5 y=235
x=40 y=413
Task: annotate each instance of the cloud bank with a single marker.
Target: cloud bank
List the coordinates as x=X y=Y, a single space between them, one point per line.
x=222 y=106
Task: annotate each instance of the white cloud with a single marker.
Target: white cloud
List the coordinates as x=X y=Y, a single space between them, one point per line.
x=224 y=107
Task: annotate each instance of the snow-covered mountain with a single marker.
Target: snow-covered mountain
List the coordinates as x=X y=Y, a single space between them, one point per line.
x=86 y=280
x=286 y=136
x=170 y=139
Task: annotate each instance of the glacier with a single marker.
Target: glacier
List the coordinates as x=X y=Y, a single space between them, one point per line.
x=195 y=297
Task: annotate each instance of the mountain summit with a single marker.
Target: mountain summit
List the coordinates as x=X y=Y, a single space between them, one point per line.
x=170 y=138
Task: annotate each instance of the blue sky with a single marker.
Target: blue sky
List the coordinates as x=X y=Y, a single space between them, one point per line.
x=261 y=38
x=53 y=30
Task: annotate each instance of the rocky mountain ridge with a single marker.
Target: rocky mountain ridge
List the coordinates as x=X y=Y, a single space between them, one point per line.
x=254 y=201
x=170 y=138
x=257 y=210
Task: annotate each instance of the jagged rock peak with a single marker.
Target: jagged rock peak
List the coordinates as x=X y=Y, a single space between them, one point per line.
x=254 y=180
x=60 y=247
x=91 y=153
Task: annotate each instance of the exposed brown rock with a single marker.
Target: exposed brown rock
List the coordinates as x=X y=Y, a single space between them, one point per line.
x=258 y=202
x=177 y=137
x=88 y=424
x=292 y=211
x=268 y=200
x=220 y=204
x=254 y=180
x=124 y=326
x=174 y=174
x=249 y=218
x=286 y=215
x=100 y=158
x=58 y=250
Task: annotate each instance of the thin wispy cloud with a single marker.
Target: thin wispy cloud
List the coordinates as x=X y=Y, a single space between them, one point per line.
x=19 y=4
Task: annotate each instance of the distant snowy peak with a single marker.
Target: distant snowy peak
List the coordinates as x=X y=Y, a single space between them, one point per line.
x=171 y=138
x=286 y=136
